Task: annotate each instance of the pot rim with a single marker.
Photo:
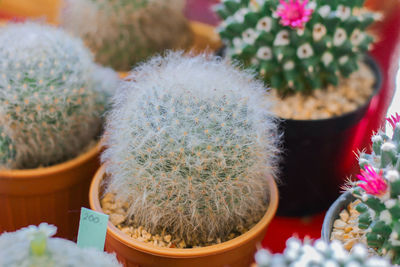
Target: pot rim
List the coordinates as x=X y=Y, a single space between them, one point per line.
x=333 y=213
x=116 y=234
x=47 y=171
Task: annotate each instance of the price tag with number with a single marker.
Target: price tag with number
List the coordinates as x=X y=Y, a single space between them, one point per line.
x=92 y=229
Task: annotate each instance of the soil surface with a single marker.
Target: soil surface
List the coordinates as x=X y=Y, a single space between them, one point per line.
x=351 y=93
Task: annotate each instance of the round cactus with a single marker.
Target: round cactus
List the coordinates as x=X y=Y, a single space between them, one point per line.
x=296 y=45
x=122 y=33
x=191 y=144
x=34 y=246
x=318 y=254
x=378 y=188
x=49 y=110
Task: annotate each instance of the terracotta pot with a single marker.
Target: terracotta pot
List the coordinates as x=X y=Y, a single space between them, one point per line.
x=237 y=252
x=53 y=194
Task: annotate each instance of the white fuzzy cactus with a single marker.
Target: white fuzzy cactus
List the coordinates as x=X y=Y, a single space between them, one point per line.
x=124 y=32
x=190 y=146
x=319 y=254
x=50 y=107
x=34 y=246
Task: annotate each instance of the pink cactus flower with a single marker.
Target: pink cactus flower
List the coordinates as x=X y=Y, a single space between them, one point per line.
x=294 y=13
x=372 y=182
x=393 y=120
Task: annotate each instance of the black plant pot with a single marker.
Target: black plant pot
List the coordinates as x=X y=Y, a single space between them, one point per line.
x=313 y=150
x=333 y=213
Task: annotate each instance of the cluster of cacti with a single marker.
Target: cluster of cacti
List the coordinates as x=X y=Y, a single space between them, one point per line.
x=50 y=109
x=34 y=247
x=296 y=45
x=319 y=254
x=378 y=189
x=190 y=146
x=124 y=32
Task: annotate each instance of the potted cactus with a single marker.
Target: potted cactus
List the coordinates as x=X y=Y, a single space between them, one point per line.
x=51 y=104
x=35 y=246
x=311 y=53
x=319 y=253
x=373 y=199
x=189 y=166
x=122 y=33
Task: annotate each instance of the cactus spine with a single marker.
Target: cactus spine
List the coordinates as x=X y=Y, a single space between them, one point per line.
x=303 y=51
x=191 y=144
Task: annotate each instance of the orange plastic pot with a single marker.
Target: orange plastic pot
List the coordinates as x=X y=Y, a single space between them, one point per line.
x=53 y=194
x=237 y=252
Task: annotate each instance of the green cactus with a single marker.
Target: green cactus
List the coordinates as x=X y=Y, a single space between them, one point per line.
x=296 y=45
x=190 y=147
x=49 y=108
x=34 y=246
x=378 y=189
x=7 y=150
x=123 y=32
x=319 y=254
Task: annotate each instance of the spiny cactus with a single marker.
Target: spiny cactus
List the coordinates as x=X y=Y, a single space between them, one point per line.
x=124 y=32
x=49 y=108
x=190 y=146
x=296 y=45
x=34 y=246
x=319 y=254
x=7 y=150
x=378 y=189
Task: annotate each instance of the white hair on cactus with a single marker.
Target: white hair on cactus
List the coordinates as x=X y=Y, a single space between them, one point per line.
x=48 y=105
x=190 y=144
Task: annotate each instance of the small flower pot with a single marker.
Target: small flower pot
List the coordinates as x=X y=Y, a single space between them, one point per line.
x=237 y=252
x=333 y=213
x=313 y=153
x=53 y=194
